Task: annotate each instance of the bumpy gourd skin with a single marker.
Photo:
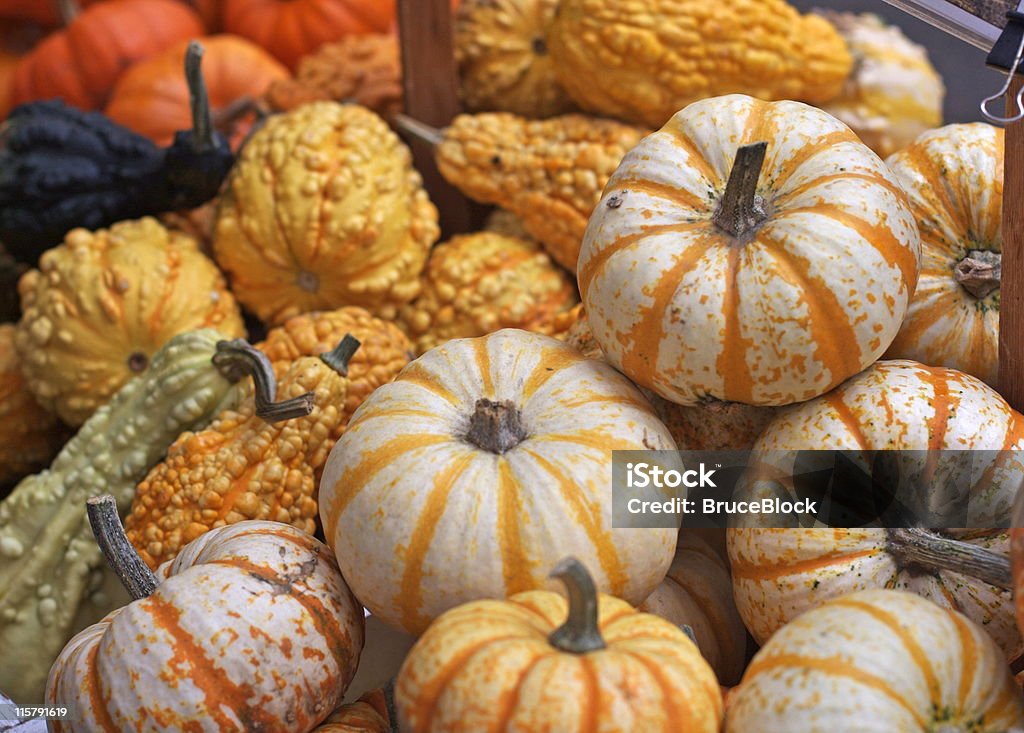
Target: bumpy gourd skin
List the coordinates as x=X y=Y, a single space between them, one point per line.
x=504 y=64
x=383 y=350
x=50 y=565
x=644 y=60
x=550 y=173
x=101 y=304
x=324 y=209
x=241 y=467
x=483 y=282
x=29 y=435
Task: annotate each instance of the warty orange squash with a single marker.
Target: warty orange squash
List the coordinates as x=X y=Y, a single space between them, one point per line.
x=486 y=460
x=749 y=251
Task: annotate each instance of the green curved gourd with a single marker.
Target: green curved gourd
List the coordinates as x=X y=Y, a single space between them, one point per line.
x=52 y=574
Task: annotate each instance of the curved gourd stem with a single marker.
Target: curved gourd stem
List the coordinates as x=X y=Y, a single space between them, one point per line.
x=741 y=210
x=418 y=130
x=496 y=427
x=339 y=357
x=67 y=11
x=580 y=633
x=134 y=574
x=199 y=101
x=930 y=550
x=238 y=358
x=980 y=272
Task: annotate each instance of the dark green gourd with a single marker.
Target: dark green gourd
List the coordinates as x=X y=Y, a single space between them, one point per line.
x=62 y=168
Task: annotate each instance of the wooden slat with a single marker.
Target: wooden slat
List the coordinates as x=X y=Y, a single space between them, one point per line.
x=430 y=85
x=1011 y=290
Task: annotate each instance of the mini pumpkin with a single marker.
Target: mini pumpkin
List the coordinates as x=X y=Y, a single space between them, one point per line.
x=152 y=97
x=29 y=435
x=101 y=304
x=881 y=660
x=245 y=465
x=749 y=251
x=251 y=628
x=779 y=573
x=503 y=59
x=366 y=70
x=484 y=460
x=478 y=283
x=642 y=62
x=536 y=662
x=324 y=209
x=291 y=29
x=368 y=714
x=549 y=173
x=893 y=94
x=697 y=592
x=954 y=178
x=81 y=64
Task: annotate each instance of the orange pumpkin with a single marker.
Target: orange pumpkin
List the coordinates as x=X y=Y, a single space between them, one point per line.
x=368 y=714
x=152 y=97
x=290 y=29
x=82 y=63
x=16 y=39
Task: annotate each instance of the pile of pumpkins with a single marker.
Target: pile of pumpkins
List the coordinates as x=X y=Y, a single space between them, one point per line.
x=268 y=452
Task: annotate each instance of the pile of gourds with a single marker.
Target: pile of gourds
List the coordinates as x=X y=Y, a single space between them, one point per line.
x=248 y=393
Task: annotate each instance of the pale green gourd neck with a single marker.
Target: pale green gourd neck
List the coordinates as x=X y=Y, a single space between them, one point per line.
x=580 y=633
x=134 y=574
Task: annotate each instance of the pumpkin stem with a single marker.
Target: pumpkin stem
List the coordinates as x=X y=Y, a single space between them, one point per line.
x=339 y=357
x=913 y=546
x=741 y=209
x=979 y=272
x=496 y=426
x=134 y=574
x=580 y=633
x=202 y=121
x=237 y=358
x=67 y=11
x=418 y=130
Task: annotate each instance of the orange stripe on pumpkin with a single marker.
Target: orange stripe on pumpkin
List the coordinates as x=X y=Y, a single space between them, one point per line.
x=783 y=170
x=550 y=361
x=516 y=565
x=674 y=194
x=876 y=179
x=771 y=571
x=969 y=648
x=94 y=691
x=482 y=357
x=416 y=374
x=694 y=157
x=738 y=383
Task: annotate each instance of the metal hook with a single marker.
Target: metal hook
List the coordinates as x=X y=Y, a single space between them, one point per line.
x=997 y=119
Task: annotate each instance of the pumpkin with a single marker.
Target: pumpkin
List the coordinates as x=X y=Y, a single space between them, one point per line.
x=780 y=573
x=369 y=714
x=210 y=12
x=324 y=209
x=291 y=29
x=893 y=94
x=152 y=97
x=485 y=460
x=879 y=660
x=251 y=628
x=641 y=62
x=366 y=70
x=51 y=576
x=954 y=178
x=244 y=466
x=482 y=282
x=46 y=13
x=750 y=252
x=503 y=59
x=711 y=425
x=549 y=173
x=697 y=593
x=29 y=435
x=16 y=39
x=82 y=63
x=101 y=304
x=536 y=662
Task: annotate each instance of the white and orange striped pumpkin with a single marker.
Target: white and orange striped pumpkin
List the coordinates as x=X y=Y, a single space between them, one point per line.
x=251 y=627
x=485 y=462
x=714 y=267
x=697 y=592
x=901 y=405
x=879 y=661
x=954 y=178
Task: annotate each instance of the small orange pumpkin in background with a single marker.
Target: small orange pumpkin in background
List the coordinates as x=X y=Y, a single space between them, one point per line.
x=368 y=714
x=152 y=97
x=82 y=63
x=16 y=39
x=291 y=29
